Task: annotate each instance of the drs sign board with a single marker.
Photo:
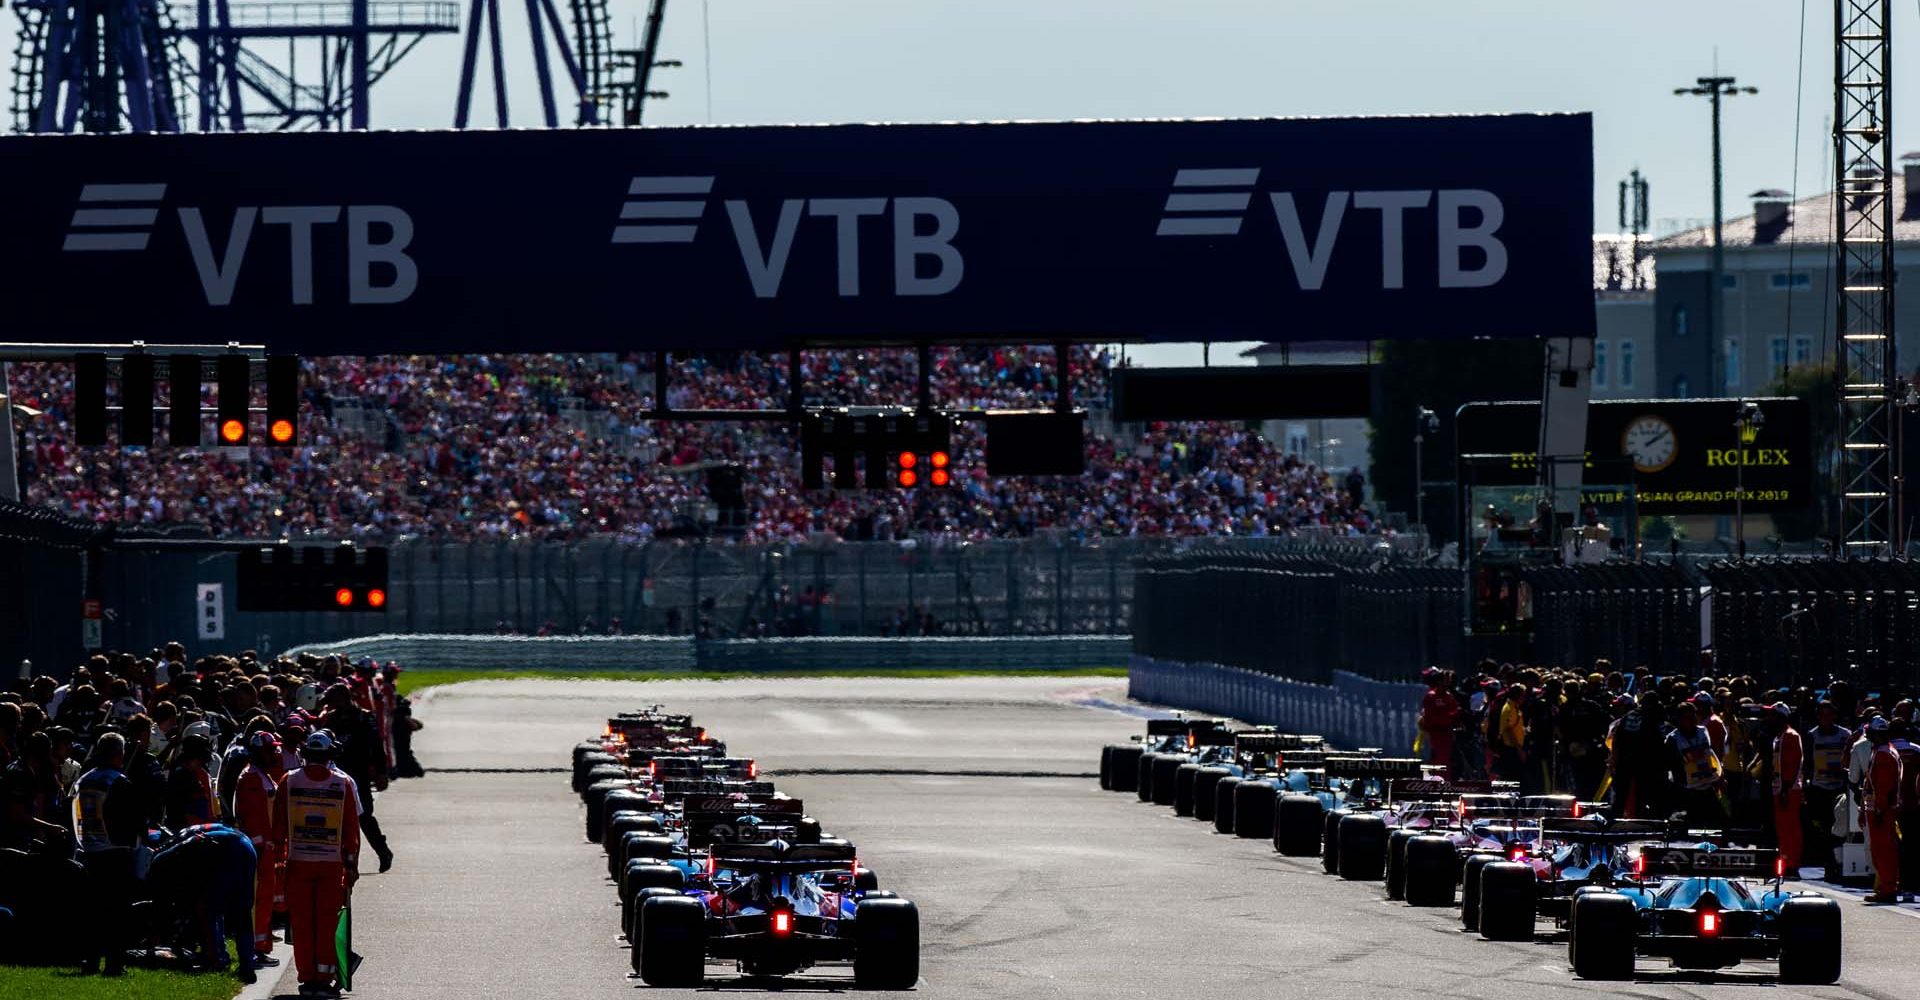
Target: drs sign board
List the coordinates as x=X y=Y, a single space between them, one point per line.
x=764 y=237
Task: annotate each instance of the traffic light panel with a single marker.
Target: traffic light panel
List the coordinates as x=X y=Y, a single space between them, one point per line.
x=230 y=372
x=183 y=400
x=283 y=400
x=312 y=578
x=904 y=450
x=136 y=400
x=90 y=400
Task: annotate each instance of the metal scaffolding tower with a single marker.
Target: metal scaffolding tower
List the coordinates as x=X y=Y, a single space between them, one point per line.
x=1866 y=373
x=587 y=54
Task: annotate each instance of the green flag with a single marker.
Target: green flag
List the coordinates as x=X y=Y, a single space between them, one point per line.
x=343 y=948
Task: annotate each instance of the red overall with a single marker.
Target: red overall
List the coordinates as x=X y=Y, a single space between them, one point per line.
x=253 y=809
x=1882 y=807
x=1788 y=759
x=318 y=810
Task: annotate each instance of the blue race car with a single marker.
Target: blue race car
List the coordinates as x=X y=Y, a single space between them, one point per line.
x=1707 y=906
x=775 y=909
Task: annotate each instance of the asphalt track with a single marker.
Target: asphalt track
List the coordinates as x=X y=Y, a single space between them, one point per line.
x=1030 y=882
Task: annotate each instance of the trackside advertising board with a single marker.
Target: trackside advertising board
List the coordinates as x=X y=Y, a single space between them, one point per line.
x=1685 y=455
x=764 y=237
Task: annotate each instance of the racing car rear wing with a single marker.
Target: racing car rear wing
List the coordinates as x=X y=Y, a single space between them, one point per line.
x=1372 y=767
x=1599 y=829
x=680 y=788
x=1258 y=741
x=1437 y=789
x=1735 y=862
x=790 y=859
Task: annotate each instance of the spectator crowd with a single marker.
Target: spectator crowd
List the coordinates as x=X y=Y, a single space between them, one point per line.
x=562 y=446
x=1805 y=768
x=145 y=802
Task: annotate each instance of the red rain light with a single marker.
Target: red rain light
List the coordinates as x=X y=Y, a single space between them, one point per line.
x=782 y=922
x=753 y=769
x=1779 y=867
x=1709 y=923
x=343 y=597
x=712 y=866
x=1576 y=809
x=1640 y=865
x=1519 y=852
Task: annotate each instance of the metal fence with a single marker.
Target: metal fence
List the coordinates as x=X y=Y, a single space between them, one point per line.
x=44 y=562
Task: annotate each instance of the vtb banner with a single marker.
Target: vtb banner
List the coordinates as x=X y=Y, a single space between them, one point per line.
x=763 y=237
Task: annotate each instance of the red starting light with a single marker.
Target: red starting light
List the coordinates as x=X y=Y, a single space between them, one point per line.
x=782 y=922
x=940 y=459
x=343 y=597
x=907 y=459
x=940 y=477
x=1709 y=922
x=376 y=598
x=233 y=431
x=907 y=477
x=280 y=430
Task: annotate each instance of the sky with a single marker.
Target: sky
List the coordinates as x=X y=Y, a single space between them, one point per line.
x=780 y=61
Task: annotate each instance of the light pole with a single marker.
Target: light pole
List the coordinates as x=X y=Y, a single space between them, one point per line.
x=1714 y=88
x=1425 y=422
x=1747 y=422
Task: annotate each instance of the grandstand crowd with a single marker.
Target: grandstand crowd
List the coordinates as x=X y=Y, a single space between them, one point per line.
x=562 y=447
x=1722 y=751
x=136 y=799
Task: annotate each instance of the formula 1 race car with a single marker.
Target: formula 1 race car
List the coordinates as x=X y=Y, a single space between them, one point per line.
x=1704 y=907
x=775 y=909
x=1246 y=787
x=1545 y=863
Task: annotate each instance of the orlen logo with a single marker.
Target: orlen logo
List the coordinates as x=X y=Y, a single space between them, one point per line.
x=1214 y=201
x=925 y=260
x=121 y=217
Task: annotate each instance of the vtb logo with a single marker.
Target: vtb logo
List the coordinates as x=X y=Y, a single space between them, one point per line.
x=1463 y=222
x=122 y=217
x=925 y=260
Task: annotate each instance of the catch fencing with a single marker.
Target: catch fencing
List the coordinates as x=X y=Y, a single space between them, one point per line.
x=683 y=653
x=45 y=559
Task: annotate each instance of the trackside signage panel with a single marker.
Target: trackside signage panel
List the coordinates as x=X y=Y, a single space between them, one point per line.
x=760 y=237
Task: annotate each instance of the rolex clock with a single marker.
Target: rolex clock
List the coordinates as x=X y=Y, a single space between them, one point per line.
x=1649 y=441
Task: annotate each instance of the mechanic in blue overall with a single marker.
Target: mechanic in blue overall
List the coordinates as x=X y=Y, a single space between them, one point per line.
x=214 y=867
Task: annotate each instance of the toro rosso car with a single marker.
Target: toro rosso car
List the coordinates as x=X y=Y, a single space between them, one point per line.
x=775 y=909
x=1704 y=907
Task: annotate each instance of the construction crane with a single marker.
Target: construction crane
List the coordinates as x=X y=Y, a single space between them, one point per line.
x=1866 y=374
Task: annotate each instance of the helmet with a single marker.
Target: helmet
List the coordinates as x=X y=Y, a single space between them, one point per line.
x=318 y=743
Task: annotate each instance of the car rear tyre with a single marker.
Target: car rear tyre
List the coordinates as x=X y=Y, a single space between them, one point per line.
x=1470 y=889
x=864 y=880
x=1432 y=866
x=673 y=941
x=1224 y=792
x=1396 y=876
x=1253 y=803
x=1506 y=901
x=1126 y=767
x=1363 y=848
x=886 y=951
x=1601 y=943
x=1183 y=788
x=1205 y=781
x=650 y=848
x=1165 y=766
x=630 y=917
x=1143 y=776
x=1106 y=768
x=1810 y=941
x=1330 y=839
x=1297 y=822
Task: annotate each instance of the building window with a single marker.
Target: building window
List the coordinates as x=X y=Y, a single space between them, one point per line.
x=1626 y=364
x=1731 y=355
x=1787 y=282
x=1679 y=321
x=1729 y=282
x=1599 y=364
x=1680 y=387
x=1802 y=350
x=1777 y=354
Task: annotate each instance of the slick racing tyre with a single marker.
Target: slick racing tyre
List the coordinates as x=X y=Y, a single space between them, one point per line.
x=1183 y=788
x=1106 y=768
x=1224 y=791
x=1470 y=889
x=1297 y=823
x=1432 y=864
x=1601 y=944
x=1253 y=809
x=1506 y=901
x=1363 y=848
x=1330 y=840
x=596 y=797
x=886 y=950
x=673 y=941
x=1165 y=766
x=1810 y=941
x=1396 y=880
x=619 y=824
x=864 y=880
x=584 y=764
x=630 y=914
x=1143 y=776
x=1205 y=781
x=1126 y=767
x=649 y=847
